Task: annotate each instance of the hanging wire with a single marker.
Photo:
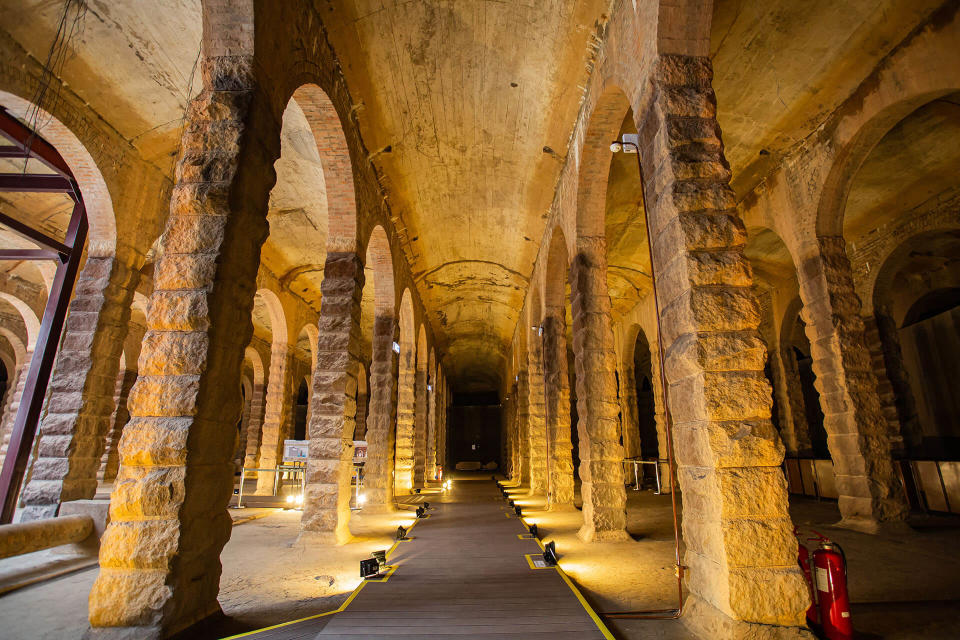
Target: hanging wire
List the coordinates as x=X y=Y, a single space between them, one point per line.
x=47 y=95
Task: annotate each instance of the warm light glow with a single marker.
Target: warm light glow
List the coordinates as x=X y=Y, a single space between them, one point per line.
x=361 y=499
x=290 y=499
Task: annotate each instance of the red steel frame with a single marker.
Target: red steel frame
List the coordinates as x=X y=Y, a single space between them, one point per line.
x=25 y=143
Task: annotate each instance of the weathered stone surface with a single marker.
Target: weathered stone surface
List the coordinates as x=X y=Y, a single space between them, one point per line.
x=557 y=412
x=536 y=423
x=81 y=400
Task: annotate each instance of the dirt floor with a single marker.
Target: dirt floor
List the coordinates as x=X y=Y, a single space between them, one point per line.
x=903 y=585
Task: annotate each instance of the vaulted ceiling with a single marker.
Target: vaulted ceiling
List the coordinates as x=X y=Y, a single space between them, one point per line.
x=476 y=101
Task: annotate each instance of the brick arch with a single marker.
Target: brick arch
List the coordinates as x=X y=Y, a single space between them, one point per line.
x=228 y=29
x=380 y=260
x=594 y=171
x=278 y=319
x=683 y=27
x=555 y=278
x=892 y=261
x=19 y=351
x=251 y=356
x=334 y=154
x=313 y=337
x=908 y=81
x=97 y=201
x=29 y=316
x=422 y=348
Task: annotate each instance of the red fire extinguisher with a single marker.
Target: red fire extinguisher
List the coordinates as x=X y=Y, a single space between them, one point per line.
x=829 y=572
x=803 y=559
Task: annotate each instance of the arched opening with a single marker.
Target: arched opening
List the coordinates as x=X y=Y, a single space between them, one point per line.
x=300 y=411
x=646 y=404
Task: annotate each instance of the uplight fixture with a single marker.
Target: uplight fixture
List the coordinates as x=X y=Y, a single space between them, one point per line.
x=534 y=532
x=401 y=533
x=426 y=505
x=550 y=553
x=420 y=511
x=369 y=568
x=380 y=557
x=518 y=510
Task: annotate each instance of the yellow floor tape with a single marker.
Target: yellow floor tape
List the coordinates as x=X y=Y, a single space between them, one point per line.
x=342 y=607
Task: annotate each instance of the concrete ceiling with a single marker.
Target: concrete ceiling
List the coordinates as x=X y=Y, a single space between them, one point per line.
x=782 y=66
x=131 y=61
x=477 y=101
x=917 y=161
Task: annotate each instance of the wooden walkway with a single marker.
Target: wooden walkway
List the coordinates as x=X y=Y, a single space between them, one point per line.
x=465 y=574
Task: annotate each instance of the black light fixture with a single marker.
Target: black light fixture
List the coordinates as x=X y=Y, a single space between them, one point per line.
x=420 y=512
x=510 y=502
x=369 y=568
x=426 y=505
x=380 y=557
x=550 y=553
x=416 y=491
x=401 y=533
x=518 y=511
x=534 y=532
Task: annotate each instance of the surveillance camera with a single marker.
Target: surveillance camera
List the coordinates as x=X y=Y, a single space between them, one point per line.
x=616 y=146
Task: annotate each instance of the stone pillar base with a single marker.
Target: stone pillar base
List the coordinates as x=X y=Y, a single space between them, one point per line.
x=588 y=533
x=379 y=508
x=336 y=538
x=123 y=633
x=872 y=527
x=709 y=623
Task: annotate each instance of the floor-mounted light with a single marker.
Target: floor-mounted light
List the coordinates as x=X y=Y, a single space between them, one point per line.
x=369 y=568
x=518 y=510
x=426 y=505
x=533 y=531
x=420 y=512
x=401 y=533
x=550 y=553
x=380 y=557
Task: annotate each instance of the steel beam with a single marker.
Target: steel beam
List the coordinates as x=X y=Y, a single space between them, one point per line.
x=34 y=183
x=32 y=234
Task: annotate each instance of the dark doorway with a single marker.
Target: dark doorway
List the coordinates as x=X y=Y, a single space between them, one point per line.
x=646 y=406
x=300 y=413
x=474 y=431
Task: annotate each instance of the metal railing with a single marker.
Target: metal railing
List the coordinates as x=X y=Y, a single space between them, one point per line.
x=292 y=471
x=636 y=462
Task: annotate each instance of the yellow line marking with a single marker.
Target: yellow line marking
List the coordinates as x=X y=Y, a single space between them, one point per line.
x=586 y=605
x=530 y=557
x=525 y=536
x=339 y=609
x=386 y=577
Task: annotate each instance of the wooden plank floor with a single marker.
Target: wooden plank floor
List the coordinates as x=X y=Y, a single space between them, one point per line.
x=464 y=575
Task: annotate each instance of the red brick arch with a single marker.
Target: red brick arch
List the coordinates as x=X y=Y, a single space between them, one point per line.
x=334 y=153
x=605 y=122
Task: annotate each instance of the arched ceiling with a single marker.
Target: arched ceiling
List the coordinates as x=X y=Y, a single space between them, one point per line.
x=782 y=66
x=916 y=162
x=476 y=102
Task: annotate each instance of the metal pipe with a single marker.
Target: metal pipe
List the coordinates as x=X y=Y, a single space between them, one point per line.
x=659 y=614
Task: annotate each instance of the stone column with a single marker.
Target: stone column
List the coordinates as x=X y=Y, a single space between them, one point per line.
x=254 y=428
x=81 y=392
x=326 y=504
x=782 y=394
x=660 y=417
x=797 y=408
x=869 y=488
x=420 y=427
x=13 y=404
x=629 y=418
x=110 y=461
x=537 y=426
x=277 y=412
x=442 y=427
x=740 y=547
x=378 y=480
x=557 y=411
x=241 y=449
x=406 y=418
x=432 y=428
x=523 y=425
x=601 y=456
x=159 y=557
x=897 y=401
